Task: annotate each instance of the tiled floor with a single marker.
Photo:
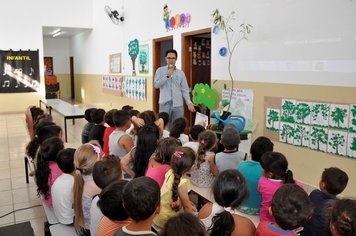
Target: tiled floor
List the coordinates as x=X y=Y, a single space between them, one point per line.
x=14 y=192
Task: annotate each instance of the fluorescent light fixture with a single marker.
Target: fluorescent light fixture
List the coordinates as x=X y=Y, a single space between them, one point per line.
x=56 y=33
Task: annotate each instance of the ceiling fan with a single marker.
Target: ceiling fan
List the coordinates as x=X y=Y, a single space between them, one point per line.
x=114 y=15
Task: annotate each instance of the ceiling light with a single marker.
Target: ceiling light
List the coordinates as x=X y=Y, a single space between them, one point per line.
x=56 y=33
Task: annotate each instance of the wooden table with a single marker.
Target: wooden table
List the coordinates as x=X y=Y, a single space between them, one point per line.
x=67 y=110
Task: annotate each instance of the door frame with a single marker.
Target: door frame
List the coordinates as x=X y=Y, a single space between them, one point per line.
x=187 y=62
x=156 y=49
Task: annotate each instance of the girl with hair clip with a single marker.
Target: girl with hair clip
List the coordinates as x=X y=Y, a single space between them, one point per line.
x=47 y=169
x=159 y=162
x=177 y=130
x=138 y=157
x=275 y=174
x=205 y=170
x=84 y=186
x=176 y=186
x=343 y=218
x=221 y=217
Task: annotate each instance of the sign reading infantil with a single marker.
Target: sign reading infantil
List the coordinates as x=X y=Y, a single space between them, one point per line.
x=19 y=71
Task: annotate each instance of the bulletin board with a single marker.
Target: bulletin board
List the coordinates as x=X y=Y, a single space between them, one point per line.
x=318 y=125
x=133 y=87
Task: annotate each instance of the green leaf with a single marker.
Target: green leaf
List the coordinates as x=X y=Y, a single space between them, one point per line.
x=214 y=81
x=224 y=86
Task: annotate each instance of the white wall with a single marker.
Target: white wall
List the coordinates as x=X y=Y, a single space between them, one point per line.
x=294 y=41
x=59 y=49
x=21 y=26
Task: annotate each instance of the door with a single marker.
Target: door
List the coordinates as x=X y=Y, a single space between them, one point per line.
x=196 y=58
x=160 y=46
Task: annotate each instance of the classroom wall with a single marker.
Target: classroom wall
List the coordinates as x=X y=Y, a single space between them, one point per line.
x=306 y=164
x=298 y=49
x=21 y=23
x=88 y=89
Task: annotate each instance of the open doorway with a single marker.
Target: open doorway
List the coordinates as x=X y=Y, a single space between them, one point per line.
x=196 y=62
x=160 y=46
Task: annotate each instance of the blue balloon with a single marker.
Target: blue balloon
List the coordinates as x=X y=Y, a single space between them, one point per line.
x=223 y=51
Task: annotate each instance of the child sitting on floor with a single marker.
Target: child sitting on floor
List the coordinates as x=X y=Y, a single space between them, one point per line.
x=141 y=200
x=205 y=170
x=291 y=208
x=275 y=175
x=333 y=182
x=231 y=157
x=176 y=186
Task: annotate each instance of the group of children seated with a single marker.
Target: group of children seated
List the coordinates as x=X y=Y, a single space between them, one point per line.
x=134 y=177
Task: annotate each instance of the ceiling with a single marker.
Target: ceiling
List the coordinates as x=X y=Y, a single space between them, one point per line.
x=65 y=32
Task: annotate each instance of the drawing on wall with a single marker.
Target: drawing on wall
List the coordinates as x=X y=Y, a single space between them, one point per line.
x=20 y=71
x=321 y=126
x=301 y=135
x=272 y=119
x=288 y=110
x=352 y=121
x=135 y=88
x=320 y=114
x=114 y=83
x=115 y=63
x=339 y=116
x=318 y=138
x=133 y=50
x=351 y=145
x=128 y=86
x=286 y=132
x=303 y=112
x=337 y=142
x=143 y=59
x=175 y=22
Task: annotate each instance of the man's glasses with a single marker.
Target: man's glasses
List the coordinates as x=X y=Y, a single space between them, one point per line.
x=171 y=58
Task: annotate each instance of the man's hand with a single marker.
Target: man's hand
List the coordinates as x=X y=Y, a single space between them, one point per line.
x=191 y=107
x=170 y=70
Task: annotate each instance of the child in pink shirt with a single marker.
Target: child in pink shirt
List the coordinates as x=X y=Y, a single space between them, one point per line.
x=275 y=175
x=47 y=169
x=159 y=164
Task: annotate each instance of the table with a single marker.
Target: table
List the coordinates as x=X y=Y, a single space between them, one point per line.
x=67 y=110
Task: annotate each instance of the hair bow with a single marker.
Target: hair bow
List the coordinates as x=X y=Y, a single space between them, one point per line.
x=202 y=141
x=178 y=154
x=229 y=209
x=96 y=149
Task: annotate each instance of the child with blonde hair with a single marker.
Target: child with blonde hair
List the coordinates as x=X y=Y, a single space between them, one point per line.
x=176 y=186
x=84 y=187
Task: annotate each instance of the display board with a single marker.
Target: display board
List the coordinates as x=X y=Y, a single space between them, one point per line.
x=318 y=125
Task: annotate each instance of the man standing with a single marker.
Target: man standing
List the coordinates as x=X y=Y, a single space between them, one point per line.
x=173 y=88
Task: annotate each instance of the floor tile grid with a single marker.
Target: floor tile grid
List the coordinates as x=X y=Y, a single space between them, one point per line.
x=14 y=192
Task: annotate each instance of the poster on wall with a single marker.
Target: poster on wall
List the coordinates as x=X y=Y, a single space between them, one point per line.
x=48 y=66
x=133 y=87
x=321 y=126
x=19 y=71
x=115 y=63
x=143 y=59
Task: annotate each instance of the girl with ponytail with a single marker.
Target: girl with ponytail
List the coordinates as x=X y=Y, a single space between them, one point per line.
x=84 y=186
x=176 y=186
x=275 y=174
x=221 y=217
